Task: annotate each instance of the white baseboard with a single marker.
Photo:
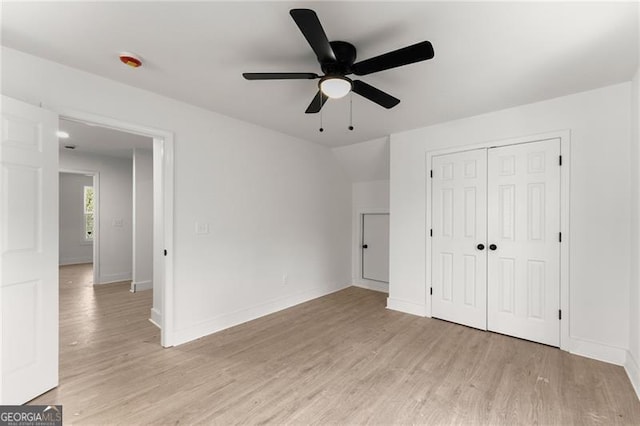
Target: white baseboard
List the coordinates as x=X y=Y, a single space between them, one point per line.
x=75 y=261
x=406 y=307
x=598 y=351
x=373 y=285
x=114 y=278
x=633 y=371
x=156 y=318
x=141 y=286
x=231 y=319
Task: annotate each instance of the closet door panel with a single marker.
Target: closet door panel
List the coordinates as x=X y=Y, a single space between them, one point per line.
x=523 y=263
x=459 y=220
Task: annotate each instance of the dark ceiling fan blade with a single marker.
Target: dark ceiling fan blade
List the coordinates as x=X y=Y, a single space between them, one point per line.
x=397 y=58
x=317 y=103
x=374 y=95
x=280 y=75
x=309 y=24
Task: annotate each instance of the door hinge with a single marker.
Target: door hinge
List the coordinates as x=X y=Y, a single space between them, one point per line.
x=431 y=232
x=559 y=237
x=165 y=252
x=430 y=173
x=560 y=160
x=559 y=314
x=431 y=291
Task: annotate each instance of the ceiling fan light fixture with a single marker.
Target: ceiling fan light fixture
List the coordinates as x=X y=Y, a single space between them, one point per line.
x=335 y=87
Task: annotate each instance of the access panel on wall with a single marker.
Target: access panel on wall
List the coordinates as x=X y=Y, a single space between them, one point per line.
x=375 y=246
x=495 y=246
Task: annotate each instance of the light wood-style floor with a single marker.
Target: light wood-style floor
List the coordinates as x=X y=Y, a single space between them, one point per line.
x=340 y=359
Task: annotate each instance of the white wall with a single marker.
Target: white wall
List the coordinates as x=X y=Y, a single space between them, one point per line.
x=142 y=274
x=632 y=364
x=365 y=161
x=278 y=208
x=599 y=122
x=73 y=246
x=368 y=197
x=114 y=211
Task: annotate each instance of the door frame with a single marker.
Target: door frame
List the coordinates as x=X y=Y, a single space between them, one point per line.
x=96 y=215
x=163 y=188
x=565 y=152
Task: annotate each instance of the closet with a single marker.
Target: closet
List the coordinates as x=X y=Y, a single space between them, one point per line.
x=495 y=239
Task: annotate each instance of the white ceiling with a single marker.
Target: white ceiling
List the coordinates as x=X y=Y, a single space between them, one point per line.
x=488 y=56
x=91 y=139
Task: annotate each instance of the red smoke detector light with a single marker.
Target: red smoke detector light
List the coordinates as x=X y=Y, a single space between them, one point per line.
x=130 y=59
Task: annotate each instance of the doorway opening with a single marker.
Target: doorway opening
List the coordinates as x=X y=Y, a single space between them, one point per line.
x=133 y=189
x=116 y=214
x=77 y=196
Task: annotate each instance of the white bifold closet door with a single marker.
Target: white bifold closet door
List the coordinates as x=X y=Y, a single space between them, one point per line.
x=495 y=239
x=459 y=217
x=524 y=226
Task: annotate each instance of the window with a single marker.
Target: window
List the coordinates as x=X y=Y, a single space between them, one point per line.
x=88 y=213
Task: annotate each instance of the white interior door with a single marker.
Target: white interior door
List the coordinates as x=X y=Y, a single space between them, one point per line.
x=375 y=246
x=459 y=220
x=28 y=252
x=524 y=255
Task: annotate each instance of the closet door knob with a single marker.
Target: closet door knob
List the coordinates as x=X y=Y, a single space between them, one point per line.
x=480 y=246
x=493 y=247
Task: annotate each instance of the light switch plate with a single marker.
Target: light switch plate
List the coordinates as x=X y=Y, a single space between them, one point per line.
x=202 y=228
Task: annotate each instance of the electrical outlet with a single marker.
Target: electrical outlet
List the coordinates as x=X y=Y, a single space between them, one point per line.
x=285 y=279
x=117 y=223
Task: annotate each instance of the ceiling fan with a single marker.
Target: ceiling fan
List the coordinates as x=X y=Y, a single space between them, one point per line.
x=337 y=60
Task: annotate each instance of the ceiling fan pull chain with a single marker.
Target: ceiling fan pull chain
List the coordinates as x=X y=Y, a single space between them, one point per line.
x=351 y=111
x=321 y=128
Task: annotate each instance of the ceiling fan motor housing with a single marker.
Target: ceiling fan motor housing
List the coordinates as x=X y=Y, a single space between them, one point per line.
x=345 y=57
